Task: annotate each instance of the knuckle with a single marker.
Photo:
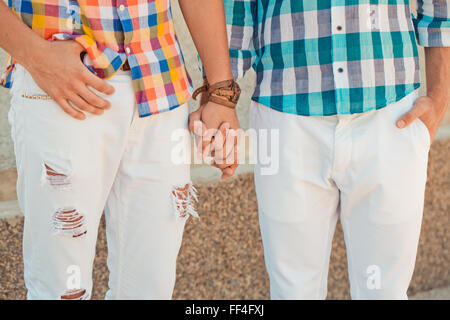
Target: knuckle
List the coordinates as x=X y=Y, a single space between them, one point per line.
x=67 y=109
x=96 y=101
x=85 y=106
x=82 y=72
x=407 y=117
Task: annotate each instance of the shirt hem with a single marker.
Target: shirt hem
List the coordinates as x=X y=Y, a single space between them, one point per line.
x=375 y=107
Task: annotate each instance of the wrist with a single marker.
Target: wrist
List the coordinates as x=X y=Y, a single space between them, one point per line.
x=36 y=56
x=218 y=76
x=225 y=93
x=439 y=97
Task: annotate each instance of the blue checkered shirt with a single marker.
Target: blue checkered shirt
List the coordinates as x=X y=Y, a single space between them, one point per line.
x=319 y=58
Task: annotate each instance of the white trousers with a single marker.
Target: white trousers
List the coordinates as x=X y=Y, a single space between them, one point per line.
x=360 y=168
x=69 y=171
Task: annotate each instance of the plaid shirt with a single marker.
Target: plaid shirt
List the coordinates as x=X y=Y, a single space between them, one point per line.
x=113 y=31
x=333 y=57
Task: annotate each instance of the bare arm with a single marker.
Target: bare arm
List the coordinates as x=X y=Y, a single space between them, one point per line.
x=431 y=108
x=206 y=22
x=16 y=38
x=55 y=66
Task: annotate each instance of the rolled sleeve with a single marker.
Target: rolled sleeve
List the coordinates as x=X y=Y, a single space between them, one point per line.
x=432 y=24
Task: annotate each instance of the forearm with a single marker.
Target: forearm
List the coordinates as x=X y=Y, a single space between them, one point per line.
x=437 y=61
x=16 y=38
x=206 y=22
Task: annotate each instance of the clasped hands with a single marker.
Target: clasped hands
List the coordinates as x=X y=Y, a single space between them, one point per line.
x=217 y=135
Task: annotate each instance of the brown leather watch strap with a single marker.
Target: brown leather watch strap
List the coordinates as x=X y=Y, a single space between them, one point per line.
x=225 y=92
x=203 y=88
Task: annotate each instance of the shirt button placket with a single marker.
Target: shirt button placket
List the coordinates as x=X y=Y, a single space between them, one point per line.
x=339 y=54
x=123 y=15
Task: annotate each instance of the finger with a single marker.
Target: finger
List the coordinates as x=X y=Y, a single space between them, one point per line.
x=77 y=46
x=222 y=166
x=229 y=172
x=97 y=83
x=232 y=157
x=230 y=153
x=232 y=160
x=419 y=108
x=207 y=139
x=230 y=149
x=231 y=145
x=193 y=118
x=198 y=128
x=205 y=143
x=81 y=104
x=219 y=137
x=93 y=99
x=219 y=141
x=198 y=144
x=64 y=104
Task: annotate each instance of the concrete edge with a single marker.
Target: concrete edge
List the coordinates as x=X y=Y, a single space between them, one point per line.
x=435 y=294
x=9 y=209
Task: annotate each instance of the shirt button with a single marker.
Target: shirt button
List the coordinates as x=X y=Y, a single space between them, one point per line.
x=340 y=70
x=127 y=50
x=339 y=28
x=121 y=7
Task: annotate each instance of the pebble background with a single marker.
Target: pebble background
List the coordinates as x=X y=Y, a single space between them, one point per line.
x=222 y=258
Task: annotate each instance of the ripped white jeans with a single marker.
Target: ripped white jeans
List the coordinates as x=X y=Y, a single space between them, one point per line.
x=69 y=171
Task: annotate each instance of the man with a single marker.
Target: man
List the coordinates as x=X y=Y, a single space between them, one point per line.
x=130 y=93
x=338 y=80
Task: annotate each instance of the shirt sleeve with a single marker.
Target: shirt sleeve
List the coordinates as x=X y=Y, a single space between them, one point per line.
x=241 y=17
x=433 y=23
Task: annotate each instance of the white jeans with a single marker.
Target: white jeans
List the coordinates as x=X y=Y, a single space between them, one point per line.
x=360 y=168
x=69 y=170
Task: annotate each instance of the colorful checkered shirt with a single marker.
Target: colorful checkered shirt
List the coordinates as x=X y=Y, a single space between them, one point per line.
x=113 y=31
x=333 y=57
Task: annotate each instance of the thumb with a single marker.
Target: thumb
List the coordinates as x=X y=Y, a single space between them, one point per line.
x=195 y=121
x=421 y=105
x=229 y=171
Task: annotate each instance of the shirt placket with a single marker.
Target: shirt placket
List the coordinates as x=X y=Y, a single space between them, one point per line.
x=339 y=57
x=123 y=13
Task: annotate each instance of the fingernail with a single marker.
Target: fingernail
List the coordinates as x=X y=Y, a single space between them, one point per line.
x=400 y=123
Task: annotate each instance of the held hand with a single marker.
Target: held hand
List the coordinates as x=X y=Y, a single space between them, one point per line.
x=61 y=74
x=424 y=110
x=217 y=128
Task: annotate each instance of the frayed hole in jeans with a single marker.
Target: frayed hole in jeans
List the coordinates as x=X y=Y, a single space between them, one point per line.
x=57 y=179
x=76 y=294
x=69 y=222
x=183 y=199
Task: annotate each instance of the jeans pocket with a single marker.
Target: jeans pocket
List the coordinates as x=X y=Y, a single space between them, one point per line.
x=426 y=133
x=25 y=87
